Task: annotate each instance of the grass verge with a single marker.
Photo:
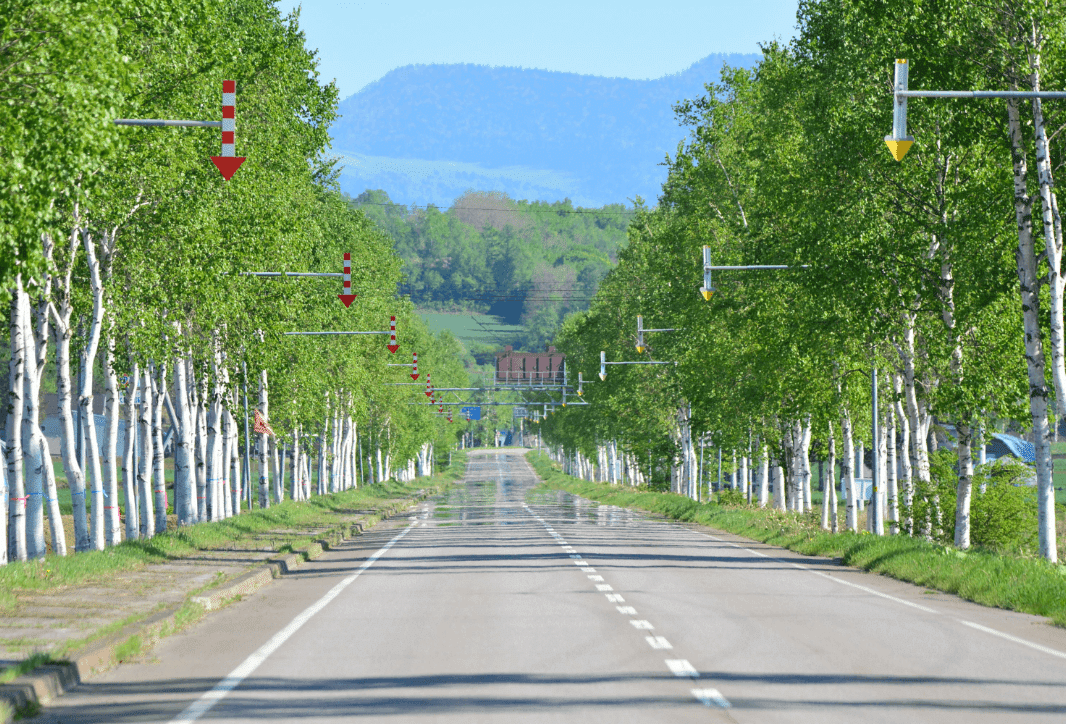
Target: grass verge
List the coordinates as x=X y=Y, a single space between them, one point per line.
x=1028 y=585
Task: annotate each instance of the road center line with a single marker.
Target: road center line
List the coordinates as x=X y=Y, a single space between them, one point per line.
x=232 y=680
x=711 y=697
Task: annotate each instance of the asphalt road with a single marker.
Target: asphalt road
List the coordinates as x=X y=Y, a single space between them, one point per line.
x=492 y=604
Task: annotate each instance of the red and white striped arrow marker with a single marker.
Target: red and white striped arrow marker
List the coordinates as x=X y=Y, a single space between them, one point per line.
x=429 y=387
x=414 y=372
x=229 y=161
x=392 y=335
x=347 y=298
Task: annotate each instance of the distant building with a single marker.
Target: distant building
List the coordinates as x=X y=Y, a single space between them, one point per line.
x=525 y=368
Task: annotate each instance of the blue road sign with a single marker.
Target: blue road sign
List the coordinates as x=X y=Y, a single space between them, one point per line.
x=472 y=413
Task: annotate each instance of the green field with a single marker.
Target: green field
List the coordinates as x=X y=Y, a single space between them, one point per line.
x=476 y=331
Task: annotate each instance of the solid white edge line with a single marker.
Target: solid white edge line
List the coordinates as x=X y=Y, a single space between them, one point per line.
x=232 y=680
x=1015 y=639
x=991 y=631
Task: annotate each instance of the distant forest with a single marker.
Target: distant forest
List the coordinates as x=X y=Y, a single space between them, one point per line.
x=529 y=262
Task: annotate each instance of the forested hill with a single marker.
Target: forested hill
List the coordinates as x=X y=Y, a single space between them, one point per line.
x=428 y=132
x=528 y=262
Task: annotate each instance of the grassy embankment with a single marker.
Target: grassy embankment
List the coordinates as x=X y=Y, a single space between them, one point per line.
x=991 y=578
x=277 y=526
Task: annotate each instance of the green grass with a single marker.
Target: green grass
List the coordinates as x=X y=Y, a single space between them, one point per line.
x=469 y=332
x=991 y=578
x=319 y=512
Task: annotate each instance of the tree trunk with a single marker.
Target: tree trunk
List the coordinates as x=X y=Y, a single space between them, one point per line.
x=16 y=524
x=144 y=473
x=36 y=456
x=829 y=499
x=1029 y=288
x=112 y=522
x=184 y=436
x=891 y=467
x=264 y=470
x=160 y=486
x=764 y=475
x=129 y=472
x=847 y=472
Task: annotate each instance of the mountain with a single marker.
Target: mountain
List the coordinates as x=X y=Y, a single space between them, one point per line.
x=427 y=133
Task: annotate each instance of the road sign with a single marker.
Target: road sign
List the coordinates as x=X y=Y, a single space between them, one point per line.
x=520 y=412
x=229 y=161
x=392 y=335
x=347 y=297
x=707 y=289
x=899 y=142
x=472 y=413
x=414 y=372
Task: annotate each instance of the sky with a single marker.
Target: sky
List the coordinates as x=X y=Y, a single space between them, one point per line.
x=358 y=42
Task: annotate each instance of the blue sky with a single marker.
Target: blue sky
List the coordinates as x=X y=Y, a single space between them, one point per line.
x=359 y=42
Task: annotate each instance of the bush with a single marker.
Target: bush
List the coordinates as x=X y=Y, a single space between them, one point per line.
x=731 y=496
x=1005 y=515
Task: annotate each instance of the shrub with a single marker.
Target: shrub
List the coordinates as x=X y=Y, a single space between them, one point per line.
x=1004 y=516
x=731 y=496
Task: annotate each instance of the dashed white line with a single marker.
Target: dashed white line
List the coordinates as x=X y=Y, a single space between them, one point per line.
x=615 y=598
x=626 y=610
x=575 y=555
x=595 y=578
x=711 y=697
x=658 y=642
x=603 y=587
x=681 y=667
x=588 y=570
x=642 y=624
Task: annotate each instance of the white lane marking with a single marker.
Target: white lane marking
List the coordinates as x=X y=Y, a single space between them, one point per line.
x=596 y=578
x=658 y=642
x=569 y=549
x=711 y=697
x=626 y=610
x=575 y=555
x=642 y=624
x=681 y=667
x=603 y=587
x=580 y=562
x=232 y=680
x=1015 y=639
x=588 y=570
x=926 y=609
x=615 y=598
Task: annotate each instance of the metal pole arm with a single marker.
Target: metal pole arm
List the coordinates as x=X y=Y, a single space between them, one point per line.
x=1060 y=95
x=291 y=334
x=156 y=123
x=290 y=274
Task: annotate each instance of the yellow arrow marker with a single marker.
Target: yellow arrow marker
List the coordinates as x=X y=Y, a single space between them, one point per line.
x=898 y=147
x=580 y=393
x=603 y=378
x=706 y=294
x=640 y=350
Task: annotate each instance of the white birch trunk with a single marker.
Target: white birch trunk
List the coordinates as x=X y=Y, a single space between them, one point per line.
x=805 y=465
x=829 y=498
x=1029 y=288
x=892 y=469
x=129 y=472
x=36 y=456
x=112 y=521
x=847 y=472
x=184 y=483
x=160 y=486
x=85 y=399
x=764 y=474
x=16 y=521
x=144 y=472
x=264 y=469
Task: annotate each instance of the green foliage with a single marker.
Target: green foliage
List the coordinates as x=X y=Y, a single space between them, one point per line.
x=1004 y=517
x=730 y=496
x=525 y=261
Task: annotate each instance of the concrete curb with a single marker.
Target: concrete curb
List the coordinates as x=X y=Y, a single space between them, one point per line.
x=49 y=682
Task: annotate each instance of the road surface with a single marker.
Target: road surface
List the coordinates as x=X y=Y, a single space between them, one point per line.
x=495 y=604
